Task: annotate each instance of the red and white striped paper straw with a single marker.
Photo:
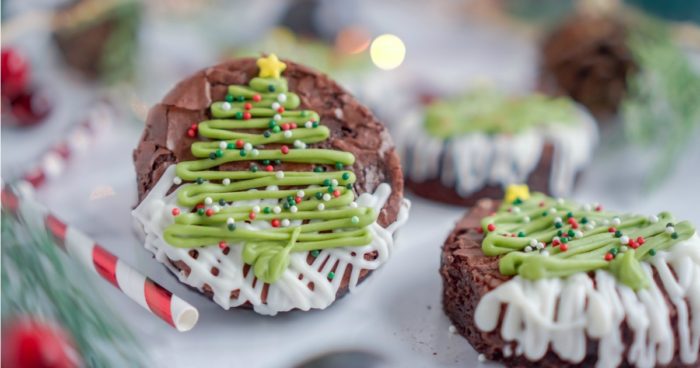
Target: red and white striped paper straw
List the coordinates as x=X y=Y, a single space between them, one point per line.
x=144 y=291
x=53 y=162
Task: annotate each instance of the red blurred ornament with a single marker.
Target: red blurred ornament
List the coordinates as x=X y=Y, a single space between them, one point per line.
x=33 y=344
x=15 y=73
x=21 y=105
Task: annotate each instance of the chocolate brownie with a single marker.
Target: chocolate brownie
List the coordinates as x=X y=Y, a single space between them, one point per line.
x=469 y=275
x=461 y=149
x=168 y=137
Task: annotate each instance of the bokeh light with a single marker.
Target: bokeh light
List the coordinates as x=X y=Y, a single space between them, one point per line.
x=387 y=51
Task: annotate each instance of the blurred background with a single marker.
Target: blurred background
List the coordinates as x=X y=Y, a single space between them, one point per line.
x=634 y=65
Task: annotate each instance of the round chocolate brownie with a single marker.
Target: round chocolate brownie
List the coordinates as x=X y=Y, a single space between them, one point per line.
x=264 y=184
x=461 y=149
x=614 y=293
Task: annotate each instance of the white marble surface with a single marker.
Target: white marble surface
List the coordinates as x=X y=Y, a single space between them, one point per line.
x=397 y=312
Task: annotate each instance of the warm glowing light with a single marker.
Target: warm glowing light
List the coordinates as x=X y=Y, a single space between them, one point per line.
x=387 y=51
x=352 y=40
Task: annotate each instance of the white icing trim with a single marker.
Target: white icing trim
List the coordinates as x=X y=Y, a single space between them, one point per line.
x=470 y=162
x=597 y=311
x=289 y=292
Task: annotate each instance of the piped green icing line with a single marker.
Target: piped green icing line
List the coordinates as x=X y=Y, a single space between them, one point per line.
x=488 y=111
x=256 y=125
x=542 y=238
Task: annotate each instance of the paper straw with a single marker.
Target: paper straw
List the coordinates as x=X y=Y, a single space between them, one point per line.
x=144 y=291
x=54 y=161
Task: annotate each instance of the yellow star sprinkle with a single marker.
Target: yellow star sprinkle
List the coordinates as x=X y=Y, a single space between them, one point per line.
x=271 y=66
x=514 y=192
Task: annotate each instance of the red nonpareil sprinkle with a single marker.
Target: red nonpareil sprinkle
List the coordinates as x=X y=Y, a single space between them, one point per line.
x=251 y=215
x=209 y=212
x=176 y=211
x=612 y=229
x=512 y=235
x=633 y=244
x=542 y=204
x=191 y=133
x=297 y=200
x=574 y=225
x=257 y=98
x=564 y=247
x=336 y=193
x=269 y=168
x=598 y=208
x=555 y=242
x=194 y=126
x=247 y=106
x=285 y=126
x=240 y=144
x=281 y=109
x=609 y=257
x=571 y=220
x=275 y=223
x=293 y=125
x=198 y=206
x=480 y=230
x=285 y=150
x=640 y=240
x=491 y=227
x=222 y=244
x=246 y=115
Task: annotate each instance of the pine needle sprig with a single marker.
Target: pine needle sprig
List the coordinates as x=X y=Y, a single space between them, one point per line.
x=41 y=282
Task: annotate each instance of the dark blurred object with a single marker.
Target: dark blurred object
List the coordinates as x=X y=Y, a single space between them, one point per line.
x=99 y=37
x=28 y=343
x=344 y=359
x=299 y=18
x=22 y=105
x=678 y=10
x=587 y=58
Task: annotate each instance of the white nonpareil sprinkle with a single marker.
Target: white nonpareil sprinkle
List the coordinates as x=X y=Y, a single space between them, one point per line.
x=230 y=221
x=275 y=105
x=226 y=106
x=279 y=175
x=247 y=146
x=256 y=209
x=293 y=209
x=653 y=219
x=277 y=117
x=533 y=242
x=353 y=205
x=285 y=222
x=624 y=239
x=670 y=229
x=528 y=249
x=282 y=98
x=616 y=221
x=226 y=181
x=321 y=207
x=326 y=197
x=544 y=252
x=309 y=124
x=516 y=209
x=277 y=209
x=216 y=208
x=452 y=329
x=223 y=145
x=526 y=219
x=208 y=201
x=482 y=358
x=287 y=134
x=254 y=152
x=301 y=194
x=177 y=180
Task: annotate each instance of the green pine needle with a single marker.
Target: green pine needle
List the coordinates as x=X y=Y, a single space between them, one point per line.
x=39 y=281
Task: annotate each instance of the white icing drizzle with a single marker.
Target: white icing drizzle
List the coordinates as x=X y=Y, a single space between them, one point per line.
x=291 y=291
x=470 y=162
x=598 y=309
